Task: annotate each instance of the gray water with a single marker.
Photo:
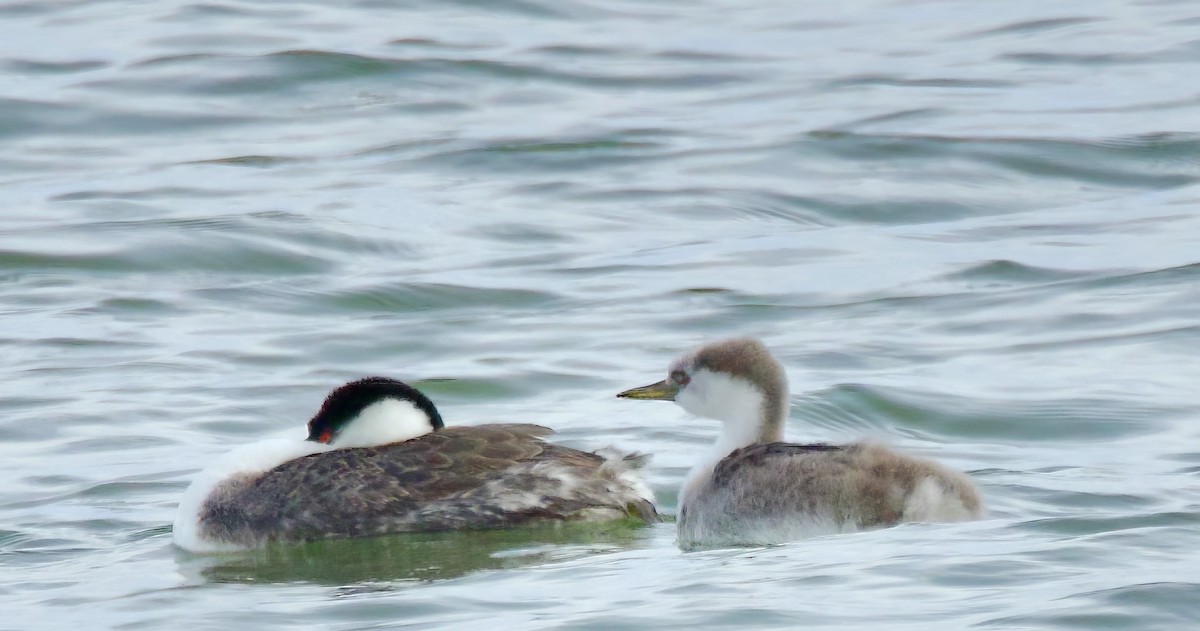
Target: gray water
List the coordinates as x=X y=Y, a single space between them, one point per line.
x=970 y=229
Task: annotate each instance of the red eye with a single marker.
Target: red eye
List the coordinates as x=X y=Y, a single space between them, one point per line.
x=680 y=378
x=325 y=436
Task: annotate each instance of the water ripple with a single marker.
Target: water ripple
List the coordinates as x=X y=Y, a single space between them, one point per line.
x=970 y=234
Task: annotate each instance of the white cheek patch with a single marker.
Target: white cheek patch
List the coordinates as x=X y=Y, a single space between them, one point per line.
x=722 y=397
x=382 y=423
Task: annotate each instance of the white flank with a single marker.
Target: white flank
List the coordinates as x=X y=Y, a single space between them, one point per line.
x=247 y=459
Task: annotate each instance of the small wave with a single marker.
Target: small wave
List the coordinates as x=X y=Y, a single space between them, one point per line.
x=410 y=297
x=951 y=417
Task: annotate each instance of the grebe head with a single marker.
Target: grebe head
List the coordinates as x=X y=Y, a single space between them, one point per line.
x=737 y=382
x=373 y=411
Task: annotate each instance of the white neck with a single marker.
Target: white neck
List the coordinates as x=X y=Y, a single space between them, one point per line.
x=737 y=404
x=735 y=436
x=382 y=423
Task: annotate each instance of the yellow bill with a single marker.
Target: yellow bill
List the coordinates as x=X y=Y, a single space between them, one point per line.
x=661 y=391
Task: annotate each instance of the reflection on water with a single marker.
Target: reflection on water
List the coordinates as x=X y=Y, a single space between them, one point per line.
x=414 y=557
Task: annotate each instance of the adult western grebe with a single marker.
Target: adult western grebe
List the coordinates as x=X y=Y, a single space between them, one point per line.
x=378 y=460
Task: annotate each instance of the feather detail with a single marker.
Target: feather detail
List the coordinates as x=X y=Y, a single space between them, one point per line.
x=488 y=476
x=771 y=492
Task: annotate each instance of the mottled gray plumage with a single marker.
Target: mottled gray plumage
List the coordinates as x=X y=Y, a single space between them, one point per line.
x=771 y=487
x=488 y=476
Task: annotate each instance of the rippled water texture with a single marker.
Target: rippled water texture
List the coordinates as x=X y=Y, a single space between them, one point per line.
x=970 y=229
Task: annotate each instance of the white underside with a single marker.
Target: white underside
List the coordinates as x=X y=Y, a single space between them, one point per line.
x=763 y=532
x=247 y=459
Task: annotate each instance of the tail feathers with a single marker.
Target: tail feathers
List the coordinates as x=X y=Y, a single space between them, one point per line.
x=622 y=467
x=619 y=461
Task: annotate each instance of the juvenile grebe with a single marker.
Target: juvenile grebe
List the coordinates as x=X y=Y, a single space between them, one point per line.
x=754 y=489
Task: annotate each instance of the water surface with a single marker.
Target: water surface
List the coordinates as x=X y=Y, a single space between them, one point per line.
x=969 y=230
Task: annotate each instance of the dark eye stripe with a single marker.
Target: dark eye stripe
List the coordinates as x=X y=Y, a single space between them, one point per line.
x=680 y=378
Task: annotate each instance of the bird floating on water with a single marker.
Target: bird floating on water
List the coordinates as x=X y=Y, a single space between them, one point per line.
x=378 y=460
x=754 y=489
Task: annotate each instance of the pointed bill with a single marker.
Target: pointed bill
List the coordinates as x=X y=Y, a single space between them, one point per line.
x=661 y=391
